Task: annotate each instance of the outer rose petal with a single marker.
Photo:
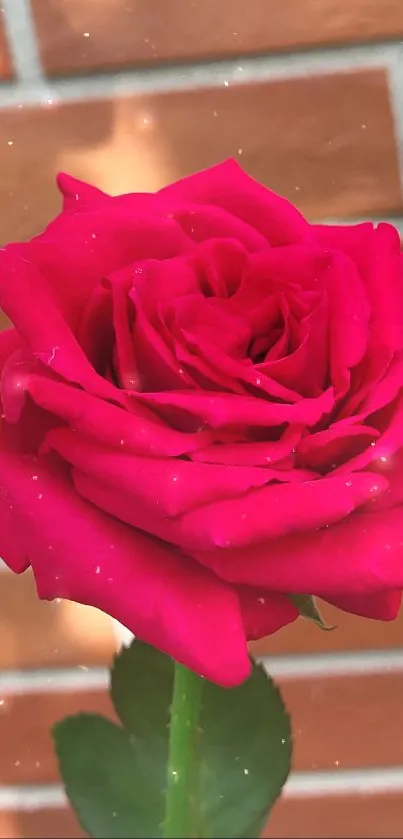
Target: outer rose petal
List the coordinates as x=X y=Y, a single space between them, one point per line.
x=10 y=341
x=79 y=195
x=257 y=516
x=359 y=556
x=383 y=605
x=77 y=553
x=169 y=485
x=99 y=241
x=28 y=300
x=276 y=510
x=106 y=423
x=263 y=612
x=229 y=187
x=376 y=252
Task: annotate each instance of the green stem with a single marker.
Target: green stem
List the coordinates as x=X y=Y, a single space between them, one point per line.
x=180 y=811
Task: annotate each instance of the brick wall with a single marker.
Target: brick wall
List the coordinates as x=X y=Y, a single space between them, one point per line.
x=130 y=94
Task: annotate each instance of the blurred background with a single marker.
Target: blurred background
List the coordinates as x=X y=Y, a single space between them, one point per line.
x=131 y=94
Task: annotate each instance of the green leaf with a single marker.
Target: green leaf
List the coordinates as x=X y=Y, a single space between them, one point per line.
x=111 y=791
x=245 y=739
x=307 y=607
x=116 y=777
x=246 y=756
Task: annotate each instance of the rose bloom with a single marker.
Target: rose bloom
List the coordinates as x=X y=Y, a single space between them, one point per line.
x=202 y=413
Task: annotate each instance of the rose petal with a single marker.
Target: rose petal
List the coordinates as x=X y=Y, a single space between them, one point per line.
x=376 y=253
x=389 y=466
x=206 y=376
x=349 y=317
x=203 y=223
x=311 y=355
x=10 y=341
x=276 y=510
x=335 y=446
x=126 y=364
x=162 y=597
x=99 y=242
x=385 y=446
x=382 y=606
x=79 y=195
x=236 y=370
x=110 y=424
x=254 y=517
x=264 y=612
x=95 y=333
x=221 y=409
x=28 y=301
x=228 y=186
x=360 y=555
x=252 y=454
x=170 y=485
x=158 y=366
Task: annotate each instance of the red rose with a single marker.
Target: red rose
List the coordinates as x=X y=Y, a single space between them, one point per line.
x=202 y=413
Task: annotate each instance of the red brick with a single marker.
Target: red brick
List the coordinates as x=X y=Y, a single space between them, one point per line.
x=37 y=633
x=78 y=35
x=350 y=633
x=324 y=817
x=368 y=711
x=345 y=722
x=27 y=754
x=57 y=823
x=337 y=817
x=6 y=70
x=335 y=155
